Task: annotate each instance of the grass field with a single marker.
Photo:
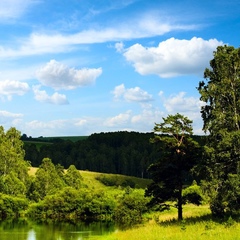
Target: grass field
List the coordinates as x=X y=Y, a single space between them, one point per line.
x=203 y=230
x=197 y=225
x=89 y=179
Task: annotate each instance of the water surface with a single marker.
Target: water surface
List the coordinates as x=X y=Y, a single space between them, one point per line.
x=28 y=230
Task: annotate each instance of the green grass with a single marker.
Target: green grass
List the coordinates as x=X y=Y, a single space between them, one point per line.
x=203 y=230
x=90 y=180
x=197 y=225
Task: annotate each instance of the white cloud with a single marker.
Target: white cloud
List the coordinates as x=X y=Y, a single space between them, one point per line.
x=8 y=117
x=131 y=94
x=39 y=126
x=119 y=120
x=60 y=76
x=12 y=9
x=172 y=57
x=42 y=96
x=188 y=106
x=62 y=127
x=180 y=103
x=9 y=88
x=81 y=122
x=139 y=27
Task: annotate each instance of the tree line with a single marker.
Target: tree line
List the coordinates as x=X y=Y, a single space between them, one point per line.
x=127 y=153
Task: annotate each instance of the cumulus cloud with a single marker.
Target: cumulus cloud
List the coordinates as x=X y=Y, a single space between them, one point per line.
x=180 y=103
x=60 y=76
x=149 y=115
x=131 y=94
x=188 y=106
x=172 y=57
x=42 y=96
x=9 y=88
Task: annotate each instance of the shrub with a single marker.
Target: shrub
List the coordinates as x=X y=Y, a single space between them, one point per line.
x=130 y=208
x=72 y=204
x=115 y=180
x=193 y=194
x=11 y=206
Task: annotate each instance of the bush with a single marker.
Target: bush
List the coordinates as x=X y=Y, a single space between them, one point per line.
x=12 y=206
x=193 y=194
x=72 y=204
x=115 y=180
x=130 y=208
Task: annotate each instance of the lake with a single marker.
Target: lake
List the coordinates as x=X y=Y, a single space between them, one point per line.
x=28 y=230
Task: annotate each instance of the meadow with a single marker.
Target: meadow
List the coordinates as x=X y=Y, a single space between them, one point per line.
x=197 y=225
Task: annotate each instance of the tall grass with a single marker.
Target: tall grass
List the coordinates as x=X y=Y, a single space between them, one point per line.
x=197 y=225
x=203 y=230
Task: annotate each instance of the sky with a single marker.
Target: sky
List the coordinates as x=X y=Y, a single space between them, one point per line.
x=78 y=67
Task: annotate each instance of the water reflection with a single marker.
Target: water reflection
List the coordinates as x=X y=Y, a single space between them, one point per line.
x=27 y=230
x=31 y=235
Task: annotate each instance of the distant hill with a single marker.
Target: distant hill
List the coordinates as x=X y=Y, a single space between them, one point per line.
x=126 y=153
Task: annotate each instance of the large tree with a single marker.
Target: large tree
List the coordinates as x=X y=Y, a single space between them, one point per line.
x=220 y=91
x=13 y=167
x=47 y=181
x=179 y=154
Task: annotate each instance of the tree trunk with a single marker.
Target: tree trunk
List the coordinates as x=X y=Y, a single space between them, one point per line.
x=179 y=204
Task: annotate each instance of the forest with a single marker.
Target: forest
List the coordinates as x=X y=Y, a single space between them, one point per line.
x=127 y=153
x=143 y=172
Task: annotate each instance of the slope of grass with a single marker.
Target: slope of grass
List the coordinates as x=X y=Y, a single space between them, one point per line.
x=90 y=179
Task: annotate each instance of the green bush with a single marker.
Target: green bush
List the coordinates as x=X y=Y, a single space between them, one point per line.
x=193 y=194
x=130 y=208
x=116 y=180
x=12 y=206
x=72 y=204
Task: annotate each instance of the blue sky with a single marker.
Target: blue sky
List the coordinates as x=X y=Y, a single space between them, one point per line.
x=77 y=67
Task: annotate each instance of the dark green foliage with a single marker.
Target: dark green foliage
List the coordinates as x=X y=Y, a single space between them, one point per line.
x=116 y=180
x=126 y=153
x=11 y=206
x=179 y=154
x=232 y=197
x=221 y=116
x=193 y=194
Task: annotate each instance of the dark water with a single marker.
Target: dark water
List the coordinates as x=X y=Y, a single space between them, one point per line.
x=26 y=230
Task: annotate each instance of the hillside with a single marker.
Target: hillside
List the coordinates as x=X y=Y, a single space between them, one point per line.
x=90 y=179
x=125 y=153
